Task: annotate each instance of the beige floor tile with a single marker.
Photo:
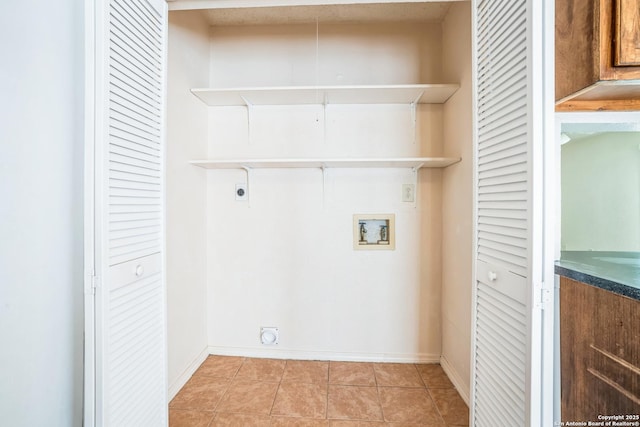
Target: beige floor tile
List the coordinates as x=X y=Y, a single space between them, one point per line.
x=452 y=408
x=249 y=397
x=306 y=371
x=188 y=418
x=351 y=373
x=433 y=376
x=301 y=400
x=408 y=405
x=354 y=403
x=247 y=392
x=220 y=366
x=261 y=369
x=436 y=424
x=297 y=422
x=238 y=420
x=397 y=375
x=357 y=423
x=200 y=393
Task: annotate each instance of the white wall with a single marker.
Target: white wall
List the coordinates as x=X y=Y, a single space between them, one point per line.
x=600 y=197
x=280 y=55
x=457 y=206
x=188 y=66
x=286 y=258
x=41 y=220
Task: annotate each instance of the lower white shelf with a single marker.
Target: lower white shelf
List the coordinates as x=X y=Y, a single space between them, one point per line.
x=392 y=162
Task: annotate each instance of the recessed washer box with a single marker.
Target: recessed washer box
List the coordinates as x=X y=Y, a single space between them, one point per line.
x=374 y=232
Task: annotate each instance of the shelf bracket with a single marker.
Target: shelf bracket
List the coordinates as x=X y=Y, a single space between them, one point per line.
x=249 y=107
x=325 y=101
x=248 y=172
x=415 y=171
x=414 y=116
x=324 y=183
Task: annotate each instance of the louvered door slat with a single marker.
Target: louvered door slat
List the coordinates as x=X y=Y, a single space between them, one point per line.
x=128 y=81
x=503 y=213
x=504 y=165
x=145 y=32
x=506 y=138
x=133 y=114
x=134 y=144
x=121 y=121
x=134 y=388
x=145 y=65
x=508 y=117
x=133 y=152
x=139 y=169
x=131 y=103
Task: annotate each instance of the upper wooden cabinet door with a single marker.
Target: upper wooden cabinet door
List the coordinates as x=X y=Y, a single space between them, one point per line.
x=627 y=33
x=597 y=55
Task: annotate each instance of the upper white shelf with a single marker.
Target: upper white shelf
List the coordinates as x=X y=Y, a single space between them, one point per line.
x=297 y=95
x=406 y=162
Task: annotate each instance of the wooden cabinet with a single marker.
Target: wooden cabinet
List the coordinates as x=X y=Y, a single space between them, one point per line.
x=597 y=55
x=600 y=352
x=627 y=33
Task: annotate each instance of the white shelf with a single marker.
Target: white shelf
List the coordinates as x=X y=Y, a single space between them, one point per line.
x=407 y=162
x=300 y=95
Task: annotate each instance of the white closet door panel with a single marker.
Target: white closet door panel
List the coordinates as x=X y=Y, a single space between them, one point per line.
x=502 y=306
x=132 y=378
x=136 y=344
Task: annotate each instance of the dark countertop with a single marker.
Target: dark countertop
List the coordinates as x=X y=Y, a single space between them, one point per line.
x=618 y=272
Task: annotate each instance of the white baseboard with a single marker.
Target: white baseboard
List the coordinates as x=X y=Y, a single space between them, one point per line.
x=280 y=353
x=456 y=379
x=175 y=386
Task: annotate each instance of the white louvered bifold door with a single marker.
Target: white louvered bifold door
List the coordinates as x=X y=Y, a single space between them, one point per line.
x=131 y=386
x=504 y=370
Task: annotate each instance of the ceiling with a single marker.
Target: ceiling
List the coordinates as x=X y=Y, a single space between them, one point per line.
x=361 y=13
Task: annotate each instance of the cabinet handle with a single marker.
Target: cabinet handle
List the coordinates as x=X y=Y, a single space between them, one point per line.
x=139 y=270
x=492 y=276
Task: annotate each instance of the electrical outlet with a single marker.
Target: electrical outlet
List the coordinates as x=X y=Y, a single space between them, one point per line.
x=408 y=193
x=241 y=192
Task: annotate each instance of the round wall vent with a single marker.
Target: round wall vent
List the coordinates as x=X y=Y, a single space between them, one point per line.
x=269 y=336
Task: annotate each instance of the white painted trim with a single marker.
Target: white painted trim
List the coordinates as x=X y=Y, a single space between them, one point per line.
x=182 y=379
x=100 y=121
x=550 y=189
x=162 y=8
x=456 y=379
x=89 y=357
x=474 y=204
x=279 y=353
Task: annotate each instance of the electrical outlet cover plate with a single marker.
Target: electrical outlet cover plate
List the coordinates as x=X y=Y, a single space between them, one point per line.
x=241 y=192
x=408 y=193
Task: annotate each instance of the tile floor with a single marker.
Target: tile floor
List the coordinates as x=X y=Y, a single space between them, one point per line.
x=247 y=392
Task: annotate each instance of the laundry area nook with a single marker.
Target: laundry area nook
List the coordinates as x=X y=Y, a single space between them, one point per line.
x=319 y=184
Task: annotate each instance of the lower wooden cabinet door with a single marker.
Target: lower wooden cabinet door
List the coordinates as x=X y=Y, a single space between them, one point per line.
x=600 y=353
